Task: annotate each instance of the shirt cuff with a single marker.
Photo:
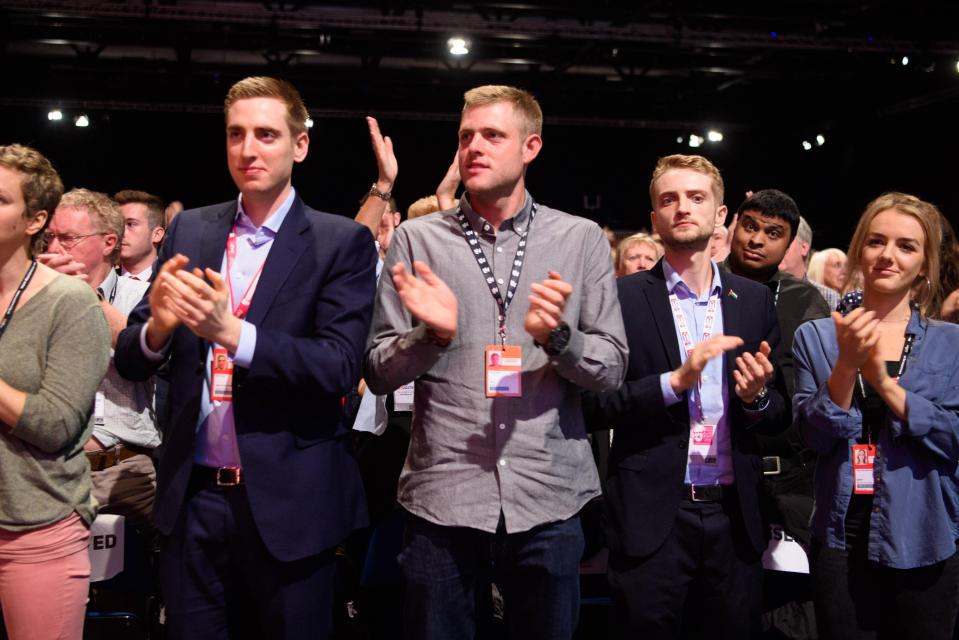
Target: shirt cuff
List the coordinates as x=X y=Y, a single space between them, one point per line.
x=669 y=396
x=246 y=345
x=153 y=356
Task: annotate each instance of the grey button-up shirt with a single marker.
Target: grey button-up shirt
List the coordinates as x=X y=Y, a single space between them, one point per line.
x=470 y=456
x=127 y=407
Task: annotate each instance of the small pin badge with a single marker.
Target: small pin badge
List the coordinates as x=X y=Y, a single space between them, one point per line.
x=732 y=294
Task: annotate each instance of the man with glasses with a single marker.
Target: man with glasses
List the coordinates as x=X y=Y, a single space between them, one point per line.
x=84 y=240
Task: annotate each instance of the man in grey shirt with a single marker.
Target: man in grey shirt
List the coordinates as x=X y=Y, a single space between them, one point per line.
x=84 y=240
x=499 y=465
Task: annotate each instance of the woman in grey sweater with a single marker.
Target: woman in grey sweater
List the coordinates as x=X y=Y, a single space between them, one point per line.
x=54 y=349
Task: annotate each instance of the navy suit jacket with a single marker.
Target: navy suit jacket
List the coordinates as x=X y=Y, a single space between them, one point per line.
x=312 y=309
x=647 y=463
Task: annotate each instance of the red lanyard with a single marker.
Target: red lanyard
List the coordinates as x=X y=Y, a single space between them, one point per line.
x=241 y=309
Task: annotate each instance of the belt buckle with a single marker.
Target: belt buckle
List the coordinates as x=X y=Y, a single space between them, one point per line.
x=228 y=476
x=694 y=489
x=774 y=471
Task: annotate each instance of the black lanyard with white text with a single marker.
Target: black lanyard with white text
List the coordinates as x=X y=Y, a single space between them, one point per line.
x=906 y=348
x=487 y=270
x=16 y=296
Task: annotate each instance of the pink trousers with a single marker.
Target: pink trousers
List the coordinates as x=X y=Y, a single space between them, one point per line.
x=44 y=580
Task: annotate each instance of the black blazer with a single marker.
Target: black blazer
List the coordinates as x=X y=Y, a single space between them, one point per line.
x=648 y=458
x=312 y=310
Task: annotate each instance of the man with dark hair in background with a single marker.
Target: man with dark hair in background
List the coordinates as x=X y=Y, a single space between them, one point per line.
x=768 y=223
x=144 y=225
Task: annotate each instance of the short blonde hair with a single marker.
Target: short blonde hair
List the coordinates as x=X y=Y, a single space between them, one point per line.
x=104 y=212
x=41 y=185
x=266 y=87
x=817 y=264
x=422 y=207
x=696 y=163
x=631 y=241
x=926 y=287
x=523 y=102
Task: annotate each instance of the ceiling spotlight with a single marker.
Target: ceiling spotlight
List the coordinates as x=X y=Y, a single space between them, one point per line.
x=714 y=136
x=905 y=60
x=82 y=121
x=695 y=141
x=807 y=145
x=309 y=122
x=680 y=139
x=56 y=115
x=458 y=46
x=957 y=66
x=820 y=140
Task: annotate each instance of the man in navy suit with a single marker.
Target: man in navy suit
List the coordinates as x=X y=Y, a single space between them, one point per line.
x=685 y=532
x=261 y=306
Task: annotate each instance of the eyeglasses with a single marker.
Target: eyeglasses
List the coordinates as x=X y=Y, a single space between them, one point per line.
x=68 y=240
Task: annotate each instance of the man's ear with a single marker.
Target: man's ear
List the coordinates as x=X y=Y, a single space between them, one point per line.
x=531 y=147
x=721 y=213
x=110 y=242
x=157 y=236
x=301 y=146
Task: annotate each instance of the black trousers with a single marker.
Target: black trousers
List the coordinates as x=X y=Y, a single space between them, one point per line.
x=857 y=598
x=220 y=581
x=704 y=581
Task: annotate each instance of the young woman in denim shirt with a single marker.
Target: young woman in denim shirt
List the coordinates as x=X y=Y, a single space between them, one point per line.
x=882 y=383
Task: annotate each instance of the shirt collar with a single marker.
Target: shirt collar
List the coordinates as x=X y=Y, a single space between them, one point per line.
x=272 y=224
x=674 y=280
x=106 y=287
x=517 y=224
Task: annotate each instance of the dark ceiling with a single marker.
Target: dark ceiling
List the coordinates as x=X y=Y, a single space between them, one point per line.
x=763 y=70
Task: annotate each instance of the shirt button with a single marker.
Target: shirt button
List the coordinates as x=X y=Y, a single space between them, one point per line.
x=499 y=280
x=502 y=462
x=502 y=426
x=499 y=249
x=520 y=229
x=485 y=227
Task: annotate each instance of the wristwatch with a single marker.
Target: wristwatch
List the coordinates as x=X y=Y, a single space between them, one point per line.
x=382 y=195
x=760 y=402
x=558 y=339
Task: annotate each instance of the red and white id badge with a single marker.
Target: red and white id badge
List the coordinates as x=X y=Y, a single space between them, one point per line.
x=863 y=459
x=702 y=442
x=504 y=371
x=221 y=376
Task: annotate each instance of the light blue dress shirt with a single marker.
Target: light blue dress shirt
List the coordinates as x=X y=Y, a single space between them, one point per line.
x=216 y=431
x=713 y=390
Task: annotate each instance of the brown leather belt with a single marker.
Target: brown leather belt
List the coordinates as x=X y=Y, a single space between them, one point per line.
x=220 y=477
x=100 y=460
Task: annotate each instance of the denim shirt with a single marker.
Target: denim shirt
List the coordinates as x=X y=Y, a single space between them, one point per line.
x=915 y=516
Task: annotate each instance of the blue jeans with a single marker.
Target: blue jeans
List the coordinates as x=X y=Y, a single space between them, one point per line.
x=448 y=571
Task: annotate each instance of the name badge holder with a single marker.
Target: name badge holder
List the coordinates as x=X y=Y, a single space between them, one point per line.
x=864 y=455
x=503 y=363
x=703 y=443
x=221 y=366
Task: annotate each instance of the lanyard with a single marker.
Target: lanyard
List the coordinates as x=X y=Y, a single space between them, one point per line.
x=487 y=271
x=113 y=291
x=906 y=348
x=243 y=307
x=16 y=296
x=688 y=345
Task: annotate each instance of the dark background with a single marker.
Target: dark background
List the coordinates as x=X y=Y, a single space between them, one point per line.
x=618 y=86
